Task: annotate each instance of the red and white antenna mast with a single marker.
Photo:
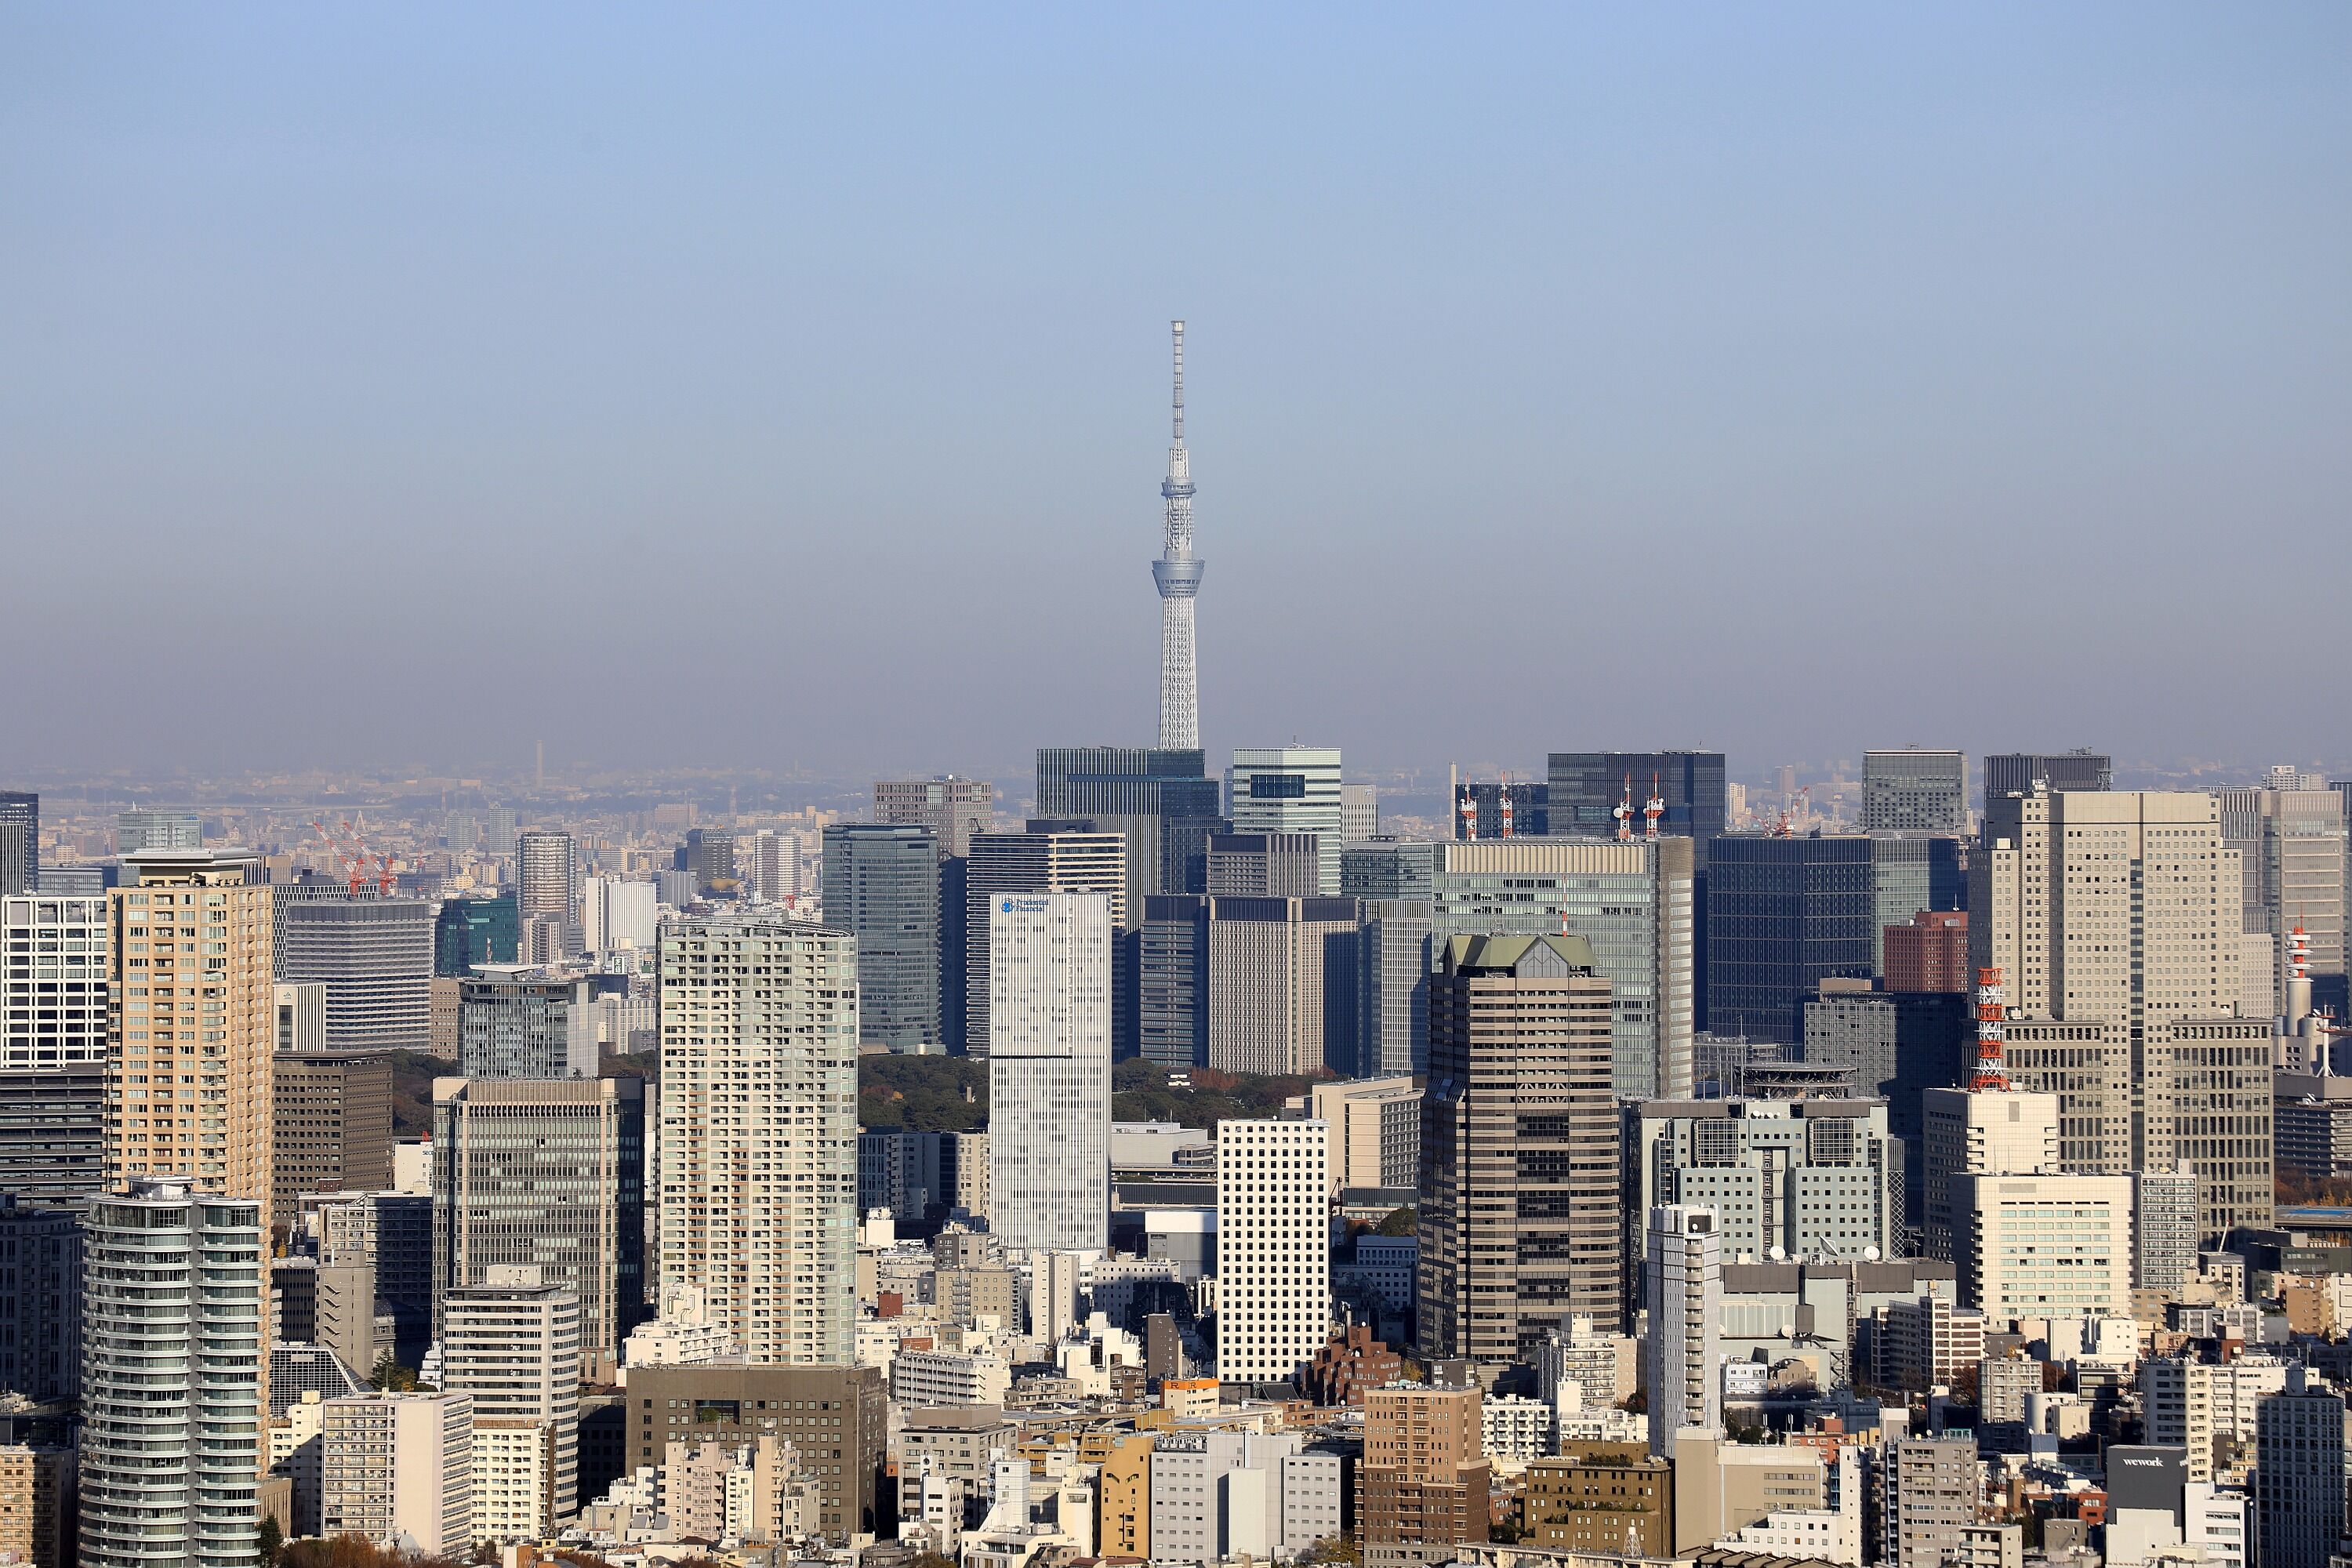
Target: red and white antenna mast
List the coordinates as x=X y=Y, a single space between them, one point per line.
x=1624 y=811
x=1992 y=1018
x=1469 y=809
x=1502 y=795
x=1653 y=809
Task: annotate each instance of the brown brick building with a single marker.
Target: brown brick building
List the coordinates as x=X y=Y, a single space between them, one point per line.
x=1602 y=1497
x=1351 y=1363
x=1931 y=953
x=1422 y=1480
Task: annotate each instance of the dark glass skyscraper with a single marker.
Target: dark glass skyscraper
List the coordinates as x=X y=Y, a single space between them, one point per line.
x=1783 y=914
x=2014 y=773
x=470 y=931
x=882 y=886
x=1172 y=981
x=1586 y=788
x=1163 y=801
x=20 y=841
x=1531 y=809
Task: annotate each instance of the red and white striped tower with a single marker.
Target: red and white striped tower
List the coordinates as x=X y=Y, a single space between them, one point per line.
x=1503 y=796
x=1624 y=812
x=1992 y=1017
x=1652 y=809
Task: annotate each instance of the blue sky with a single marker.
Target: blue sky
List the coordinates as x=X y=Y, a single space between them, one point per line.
x=749 y=388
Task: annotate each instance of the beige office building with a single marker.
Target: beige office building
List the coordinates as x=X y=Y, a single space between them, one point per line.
x=758 y=1135
x=2045 y=1247
x=1967 y=1133
x=191 y=1092
x=1270 y=1010
x=2114 y=919
x=1375 y=1130
x=399 y=1465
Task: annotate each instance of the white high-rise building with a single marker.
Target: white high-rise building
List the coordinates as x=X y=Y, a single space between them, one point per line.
x=173 y=1312
x=1291 y=789
x=2116 y=919
x=514 y=1344
x=399 y=1465
x=58 y=945
x=2291 y=842
x=1274 y=1247
x=1049 y=1002
x=1683 y=1280
x=772 y=862
x=758 y=1133
x=616 y=914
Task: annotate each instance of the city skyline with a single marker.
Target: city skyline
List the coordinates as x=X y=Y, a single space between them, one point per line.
x=1980 y=331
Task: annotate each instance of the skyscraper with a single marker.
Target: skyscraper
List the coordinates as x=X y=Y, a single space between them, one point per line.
x=953 y=808
x=20 y=841
x=1172 y=981
x=200 y=1006
x=547 y=877
x=2022 y=773
x=471 y=931
x=1274 y=1258
x=1911 y=873
x=2305 y=1437
x=1682 y=1286
x=758 y=1133
x=2291 y=848
x=41 y=1308
x=170 y=1461
x=1914 y=791
x=1049 y=1070
x=53 y=994
x=1265 y=865
x=137 y=831
x=1049 y=856
x=1634 y=901
x=551 y=1174
x=2114 y=920
x=882 y=886
x=1783 y=915
x=526 y=1026
x=1518 y=1060
x=1291 y=789
x=1177 y=573
x=374 y=956
x=1585 y=789
x=514 y=1344
x=332 y=1116
x=1162 y=802
x=1282 y=984
x=1393 y=963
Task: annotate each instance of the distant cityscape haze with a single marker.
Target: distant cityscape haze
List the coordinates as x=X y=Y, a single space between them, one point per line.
x=733 y=389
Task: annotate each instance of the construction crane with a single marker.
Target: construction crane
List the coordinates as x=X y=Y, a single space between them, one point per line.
x=1802 y=797
x=354 y=859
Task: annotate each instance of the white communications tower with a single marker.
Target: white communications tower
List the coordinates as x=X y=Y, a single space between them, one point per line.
x=1178 y=573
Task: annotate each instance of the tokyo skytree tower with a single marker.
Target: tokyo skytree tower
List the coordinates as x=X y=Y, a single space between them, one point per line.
x=1178 y=573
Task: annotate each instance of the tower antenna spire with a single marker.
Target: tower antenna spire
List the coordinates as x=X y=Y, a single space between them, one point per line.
x=1177 y=573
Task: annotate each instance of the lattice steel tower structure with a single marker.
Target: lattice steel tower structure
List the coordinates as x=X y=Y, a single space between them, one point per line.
x=1178 y=573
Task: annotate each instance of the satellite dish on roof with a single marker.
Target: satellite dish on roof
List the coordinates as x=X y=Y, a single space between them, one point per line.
x=1774 y=1252
x=1870 y=1254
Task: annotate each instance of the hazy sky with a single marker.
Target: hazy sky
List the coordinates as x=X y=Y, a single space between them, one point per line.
x=685 y=385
